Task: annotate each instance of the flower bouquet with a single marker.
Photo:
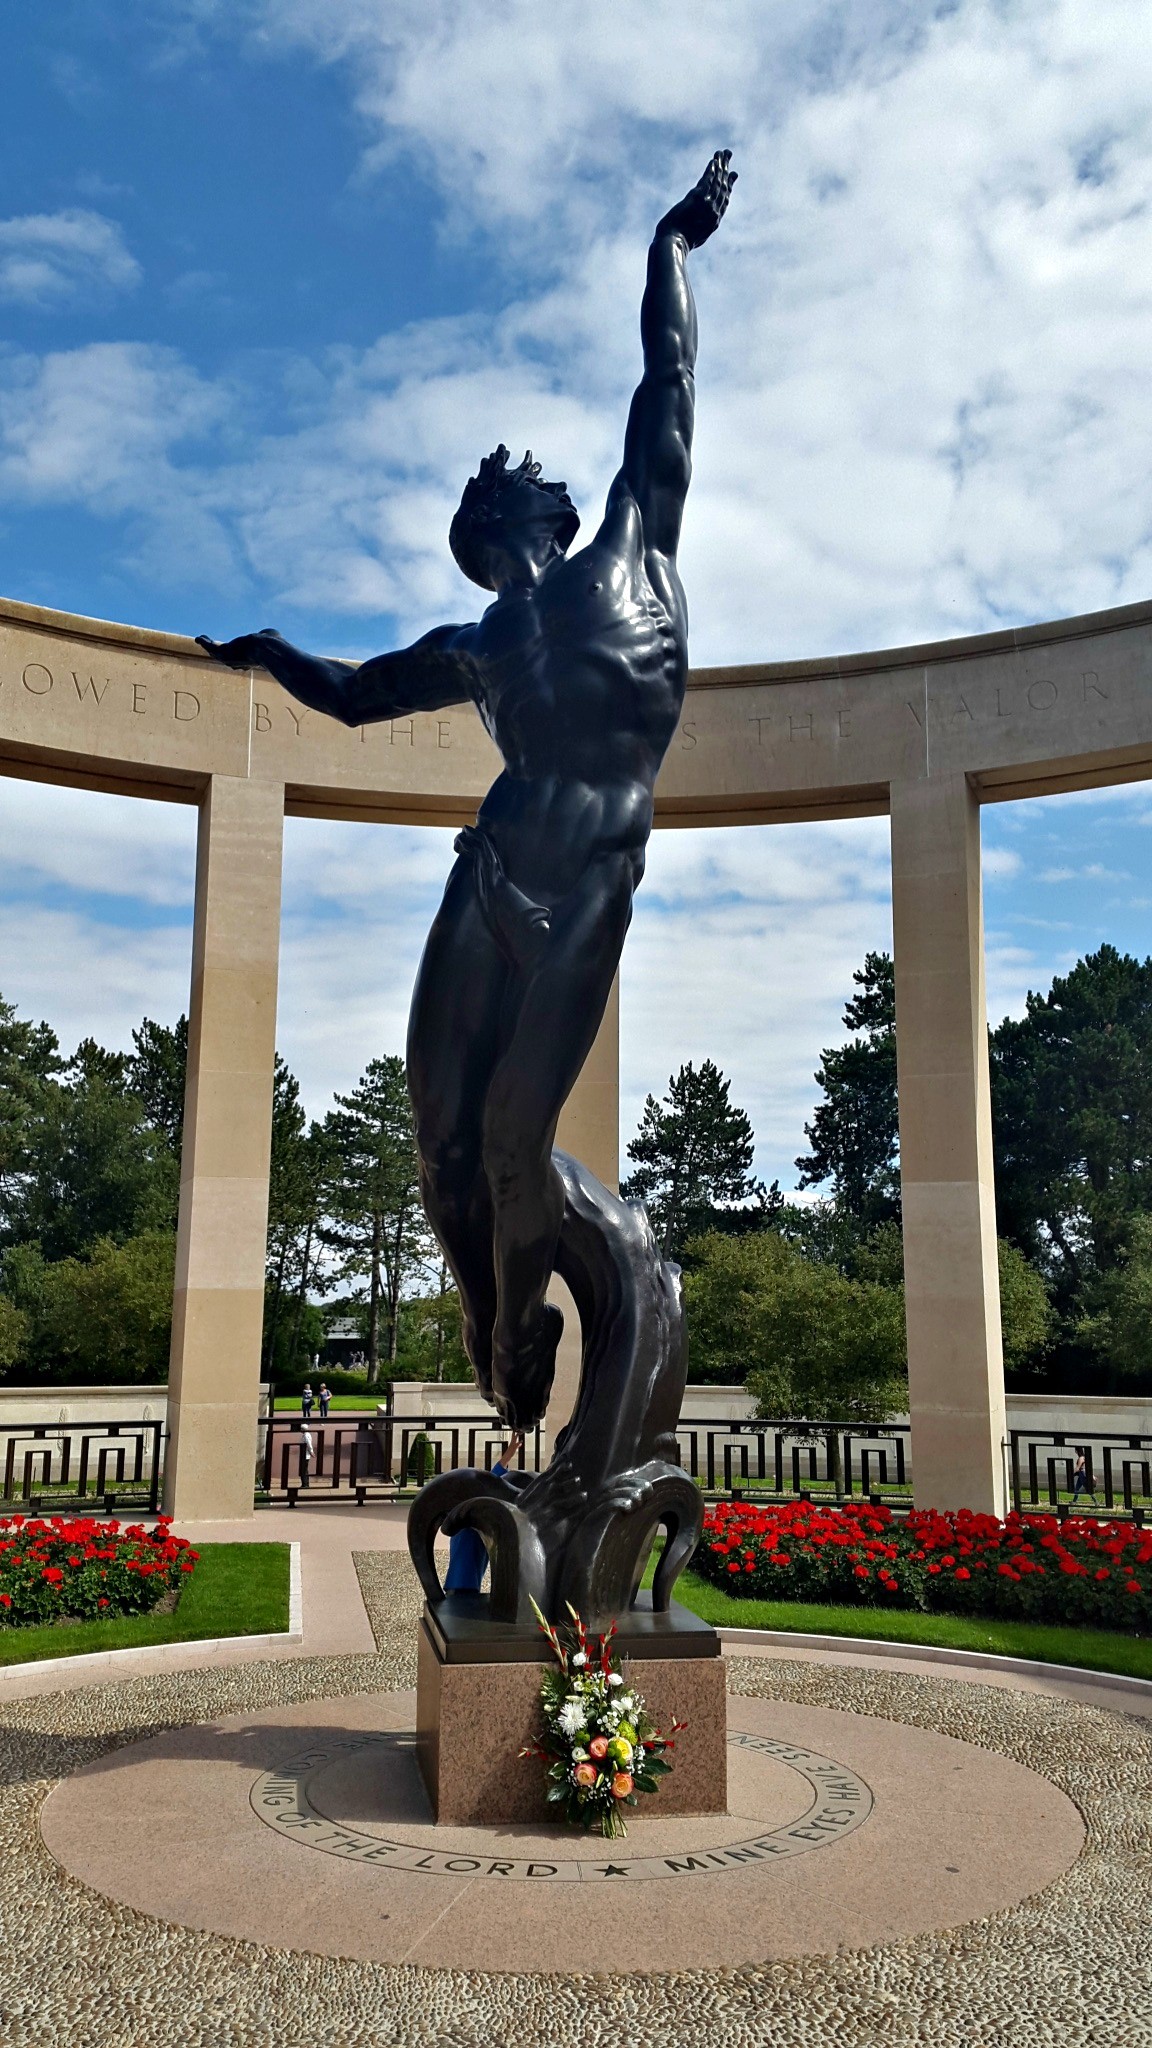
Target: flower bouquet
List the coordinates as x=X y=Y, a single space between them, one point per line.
x=599 y=1744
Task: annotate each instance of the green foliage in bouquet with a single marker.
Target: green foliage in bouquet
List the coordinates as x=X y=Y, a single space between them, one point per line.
x=599 y=1743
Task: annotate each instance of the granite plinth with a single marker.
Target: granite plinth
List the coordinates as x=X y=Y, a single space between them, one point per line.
x=472 y=1717
x=464 y=1632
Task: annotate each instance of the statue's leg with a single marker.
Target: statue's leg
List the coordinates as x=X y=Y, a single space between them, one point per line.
x=454 y=1042
x=558 y=1017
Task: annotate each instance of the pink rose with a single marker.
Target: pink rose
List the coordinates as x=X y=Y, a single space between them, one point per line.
x=598 y=1747
x=585 y=1774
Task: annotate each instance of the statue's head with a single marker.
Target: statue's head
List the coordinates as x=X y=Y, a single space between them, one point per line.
x=505 y=513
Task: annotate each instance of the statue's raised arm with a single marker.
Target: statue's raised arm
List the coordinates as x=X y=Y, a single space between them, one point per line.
x=657 y=466
x=435 y=671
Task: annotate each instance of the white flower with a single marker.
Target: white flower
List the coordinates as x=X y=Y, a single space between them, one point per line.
x=614 y=1678
x=572 y=1715
x=578 y=1658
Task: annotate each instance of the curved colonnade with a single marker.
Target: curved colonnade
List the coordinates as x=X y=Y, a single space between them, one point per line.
x=926 y=734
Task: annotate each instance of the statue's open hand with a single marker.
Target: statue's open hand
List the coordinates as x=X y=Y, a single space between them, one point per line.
x=249 y=650
x=701 y=211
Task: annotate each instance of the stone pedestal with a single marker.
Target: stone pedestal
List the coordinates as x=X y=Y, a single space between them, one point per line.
x=474 y=1712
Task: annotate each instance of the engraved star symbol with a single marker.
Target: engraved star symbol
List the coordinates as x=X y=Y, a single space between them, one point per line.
x=614 y=1870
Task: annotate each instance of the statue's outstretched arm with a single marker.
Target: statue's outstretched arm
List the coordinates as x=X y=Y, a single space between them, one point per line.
x=432 y=673
x=657 y=463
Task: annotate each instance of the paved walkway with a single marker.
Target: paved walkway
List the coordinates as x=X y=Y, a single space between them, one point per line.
x=147 y=1955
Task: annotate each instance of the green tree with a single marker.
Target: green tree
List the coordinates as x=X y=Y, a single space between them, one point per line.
x=293 y=1204
x=692 y=1155
x=108 y=1316
x=1072 y=1113
x=1027 y=1320
x=431 y=1345
x=95 y=1167
x=854 y=1132
x=375 y=1228
x=14 y=1329
x=157 y=1070
x=1119 y=1327
x=811 y=1344
x=29 y=1059
x=817 y=1343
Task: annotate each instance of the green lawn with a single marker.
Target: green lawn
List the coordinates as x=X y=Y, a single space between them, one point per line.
x=237 y=1589
x=358 y=1404
x=1091 y=1649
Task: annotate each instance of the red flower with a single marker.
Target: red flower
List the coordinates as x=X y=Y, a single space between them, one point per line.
x=963 y=1572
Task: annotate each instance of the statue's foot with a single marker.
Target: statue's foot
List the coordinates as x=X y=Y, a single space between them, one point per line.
x=522 y=1379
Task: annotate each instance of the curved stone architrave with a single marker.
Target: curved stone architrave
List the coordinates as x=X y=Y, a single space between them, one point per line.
x=924 y=733
x=1020 y=712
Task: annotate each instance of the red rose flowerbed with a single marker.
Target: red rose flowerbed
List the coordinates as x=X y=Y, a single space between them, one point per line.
x=1026 y=1568
x=52 y=1570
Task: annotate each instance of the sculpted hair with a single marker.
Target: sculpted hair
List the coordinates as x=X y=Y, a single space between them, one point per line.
x=481 y=499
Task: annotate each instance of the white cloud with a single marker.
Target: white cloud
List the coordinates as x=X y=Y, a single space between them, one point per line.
x=102 y=426
x=923 y=406
x=742 y=950
x=923 y=409
x=1001 y=862
x=46 y=258
x=71 y=840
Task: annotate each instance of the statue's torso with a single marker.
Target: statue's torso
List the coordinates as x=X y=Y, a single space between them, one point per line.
x=580 y=682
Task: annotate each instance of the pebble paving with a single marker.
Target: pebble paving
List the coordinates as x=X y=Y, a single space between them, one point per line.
x=1071 y=1965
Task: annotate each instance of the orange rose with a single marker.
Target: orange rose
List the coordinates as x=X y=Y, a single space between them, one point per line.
x=621 y=1785
x=598 y=1747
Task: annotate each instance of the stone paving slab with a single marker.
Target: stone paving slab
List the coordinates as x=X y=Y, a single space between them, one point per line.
x=1071 y=1964
x=303 y=1827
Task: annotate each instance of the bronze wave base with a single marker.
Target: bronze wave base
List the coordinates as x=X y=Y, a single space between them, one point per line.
x=581 y=1532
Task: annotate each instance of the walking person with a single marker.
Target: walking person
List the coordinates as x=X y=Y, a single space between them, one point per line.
x=307 y=1453
x=467 y=1550
x=306 y=1399
x=324 y=1397
x=1081 y=1478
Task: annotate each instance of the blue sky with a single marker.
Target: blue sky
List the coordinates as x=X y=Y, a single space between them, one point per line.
x=274 y=273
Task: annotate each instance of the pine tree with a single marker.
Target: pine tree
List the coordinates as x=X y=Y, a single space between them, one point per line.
x=292 y=1200
x=157 y=1070
x=854 y=1133
x=375 y=1224
x=29 y=1058
x=692 y=1157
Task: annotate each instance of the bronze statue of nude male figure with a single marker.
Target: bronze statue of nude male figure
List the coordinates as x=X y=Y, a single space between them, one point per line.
x=578 y=671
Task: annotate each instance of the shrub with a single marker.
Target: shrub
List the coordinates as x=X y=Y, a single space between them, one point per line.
x=86 y=1571
x=806 y=1340
x=1027 y=1568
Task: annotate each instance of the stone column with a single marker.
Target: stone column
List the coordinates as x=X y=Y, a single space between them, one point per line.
x=955 y=1361
x=217 y=1320
x=589 y=1128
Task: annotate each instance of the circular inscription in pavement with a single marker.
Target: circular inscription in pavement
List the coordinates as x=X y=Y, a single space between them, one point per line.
x=291 y=1801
